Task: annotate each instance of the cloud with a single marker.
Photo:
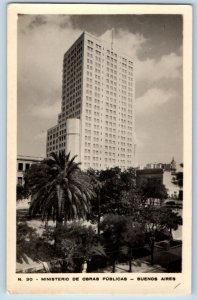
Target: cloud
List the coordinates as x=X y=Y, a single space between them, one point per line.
x=133 y=44
x=46 y=110
x=142 y=138
x=152 y=99
x=40 y=55
x=169 y=66
x=41 y=136
x=42 y=42
x=35 y=21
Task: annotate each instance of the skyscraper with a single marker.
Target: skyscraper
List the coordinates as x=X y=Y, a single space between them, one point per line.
x=97 y=110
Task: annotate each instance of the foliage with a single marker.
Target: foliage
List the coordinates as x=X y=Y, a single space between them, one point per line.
x=110 y=186
x=133 y=234
x=60 y=190
x=133 y=237
x=154 y=189
x=22 y=192
x=131 y=203
x=31 y=245
x=170 y=219
x=120 y=235
x=77 y=244
x=157 y=219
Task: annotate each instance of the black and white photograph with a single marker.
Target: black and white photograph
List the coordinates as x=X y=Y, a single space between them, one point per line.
x=100 y=162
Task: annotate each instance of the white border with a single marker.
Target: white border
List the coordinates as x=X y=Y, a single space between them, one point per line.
x=101 y=287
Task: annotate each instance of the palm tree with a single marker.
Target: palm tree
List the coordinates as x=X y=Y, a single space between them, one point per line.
x=60 y=190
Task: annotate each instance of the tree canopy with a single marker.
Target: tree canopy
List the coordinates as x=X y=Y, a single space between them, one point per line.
x=59 y=189
x=154 y=189
x=111 y=186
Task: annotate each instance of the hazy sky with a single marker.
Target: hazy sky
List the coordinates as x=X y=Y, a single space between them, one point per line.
x=155 y=42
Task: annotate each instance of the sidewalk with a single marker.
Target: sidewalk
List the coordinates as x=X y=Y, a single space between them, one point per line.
x=163 y=262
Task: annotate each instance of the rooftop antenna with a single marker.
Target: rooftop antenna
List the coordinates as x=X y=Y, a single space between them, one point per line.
x=112 y=38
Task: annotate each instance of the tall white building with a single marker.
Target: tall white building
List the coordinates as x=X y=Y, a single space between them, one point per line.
x=97 y=119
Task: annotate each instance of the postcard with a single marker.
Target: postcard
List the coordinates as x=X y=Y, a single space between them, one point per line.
x=99 y=168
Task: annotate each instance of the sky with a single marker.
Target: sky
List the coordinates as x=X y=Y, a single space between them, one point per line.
x=155 y=44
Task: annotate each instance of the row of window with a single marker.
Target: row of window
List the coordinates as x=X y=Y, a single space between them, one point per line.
x=72 y=52
x=107 y=159
x=108 y=104
x=74 y=65
x=72 y=103
x=23 y=166
x=111 y=54
x=111 y=68
x=97 y=166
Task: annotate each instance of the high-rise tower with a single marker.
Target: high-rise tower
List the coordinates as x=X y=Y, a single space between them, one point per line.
x=97 y=111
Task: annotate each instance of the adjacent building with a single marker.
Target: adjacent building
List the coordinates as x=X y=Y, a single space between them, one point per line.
x=168 y=178
x=165 y=166
x=23 y=164
x=147 y=175
x=97 y=118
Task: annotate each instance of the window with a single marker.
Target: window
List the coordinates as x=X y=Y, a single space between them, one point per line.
x=90 y=42
x=20 y=167
x=20 y=180
x=27 y=166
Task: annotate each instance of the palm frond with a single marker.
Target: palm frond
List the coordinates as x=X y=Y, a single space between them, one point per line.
x=58 y=186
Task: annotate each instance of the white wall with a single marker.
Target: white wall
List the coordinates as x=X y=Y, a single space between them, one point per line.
x=73 y=138
x=172 y=188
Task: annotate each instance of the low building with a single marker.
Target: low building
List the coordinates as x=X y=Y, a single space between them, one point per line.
x=169 y=167
x=23 y=164
x=172 y=189
x=154 y=177
x=169 y=172
x=142 y=176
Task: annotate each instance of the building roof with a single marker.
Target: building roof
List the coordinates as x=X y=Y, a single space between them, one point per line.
x=29 y=158
x=107 y=44
x=150 y=171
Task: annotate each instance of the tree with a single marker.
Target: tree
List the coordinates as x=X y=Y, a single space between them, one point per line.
x=157 y=219
x=78 y=244
x=95 y=201
x=121 y=235
x=112 y=226
x=59 y=189
x=158 y=223
x=132 y=237
x=110 y=185
x=170 y=219
x=21 y=192
x=152 y=189
x=132 y=202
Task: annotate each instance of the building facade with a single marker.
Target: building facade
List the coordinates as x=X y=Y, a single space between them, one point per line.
x=145 y=175
x=97 y=120
x=23 y=164
x=169 y=167
x=169 y=172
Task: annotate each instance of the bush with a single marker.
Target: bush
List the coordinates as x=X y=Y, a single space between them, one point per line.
x=74 y=244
